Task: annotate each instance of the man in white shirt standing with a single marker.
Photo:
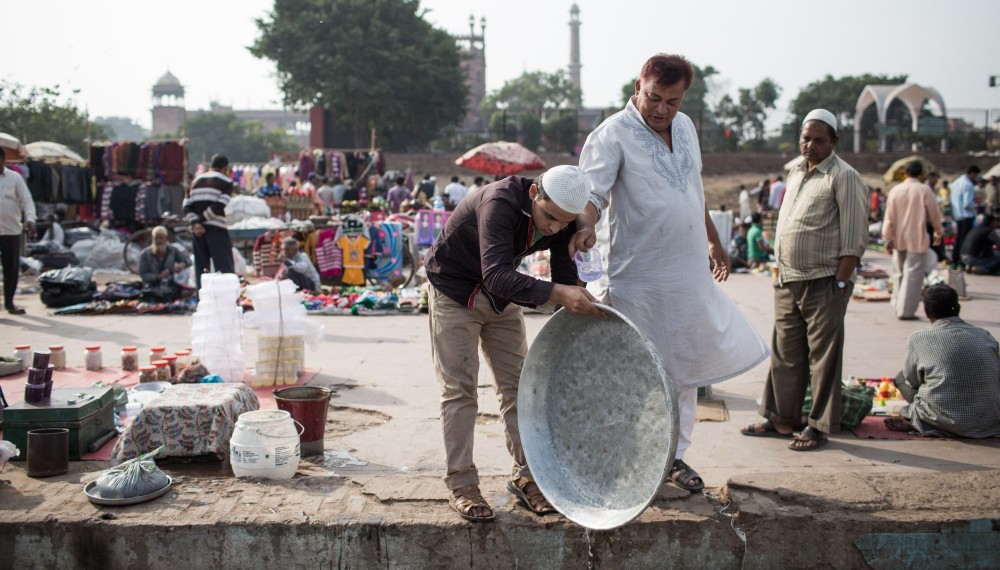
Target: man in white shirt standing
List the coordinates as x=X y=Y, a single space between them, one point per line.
x=15 y=202
x=777 y=193
x=456 y=191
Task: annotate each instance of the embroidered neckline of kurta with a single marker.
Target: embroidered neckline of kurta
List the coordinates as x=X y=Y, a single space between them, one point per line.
x=674 y=166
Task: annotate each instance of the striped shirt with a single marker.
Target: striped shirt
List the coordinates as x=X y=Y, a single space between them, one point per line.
x=823 y=217
x=206 y=202
x=955 y=369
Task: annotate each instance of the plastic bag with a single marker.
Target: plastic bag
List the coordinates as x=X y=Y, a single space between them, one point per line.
x=243 y=207
x=69 y=279
x=82 y=248
x=239 y=262
x=132 y=478
x=7 y=450
x=106 y=253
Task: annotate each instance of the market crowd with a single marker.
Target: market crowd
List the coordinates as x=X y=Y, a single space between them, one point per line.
x=639 y=175
x=637 y=187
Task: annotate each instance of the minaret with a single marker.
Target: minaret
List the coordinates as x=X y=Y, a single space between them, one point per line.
x=574 y=45
x=474 y=65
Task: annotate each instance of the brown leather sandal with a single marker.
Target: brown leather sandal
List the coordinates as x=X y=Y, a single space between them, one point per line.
x=465 y=499
x=527 y=490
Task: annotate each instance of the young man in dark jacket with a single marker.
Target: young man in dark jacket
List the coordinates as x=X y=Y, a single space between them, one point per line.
x=475 y=295
x=205 y=209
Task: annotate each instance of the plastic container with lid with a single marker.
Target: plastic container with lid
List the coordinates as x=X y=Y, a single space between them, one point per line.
x=183 y=359
x=23 y=353
x=130 y=359
x=148 y=374
x=93 y=359
x=172 y=364
x=162 y=370
x=156 y=353
x=58 y=358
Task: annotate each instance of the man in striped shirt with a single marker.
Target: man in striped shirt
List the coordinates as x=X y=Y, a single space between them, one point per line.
x=822 y=232
x=205 y=209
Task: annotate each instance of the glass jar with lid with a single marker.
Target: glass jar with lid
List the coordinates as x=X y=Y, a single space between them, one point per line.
x=183 y=359
x=58 y=358
x=130 y=359
x=156 y=353
x=148 y=374
x=171 y=364
x=162 y=370
x=93 y=359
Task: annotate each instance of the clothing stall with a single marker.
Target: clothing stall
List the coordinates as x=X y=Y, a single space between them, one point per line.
x=137 y=182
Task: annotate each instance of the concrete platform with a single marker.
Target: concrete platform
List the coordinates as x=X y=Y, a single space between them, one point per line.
x=855 y=503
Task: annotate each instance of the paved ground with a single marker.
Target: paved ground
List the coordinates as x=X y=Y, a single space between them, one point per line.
x=385 y=415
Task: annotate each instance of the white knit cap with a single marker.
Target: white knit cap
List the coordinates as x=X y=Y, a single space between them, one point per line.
x=568 y=187
x=821 y=115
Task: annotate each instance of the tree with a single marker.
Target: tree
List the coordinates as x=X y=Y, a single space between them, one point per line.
x=524 y=103
x=840 y=97
x=560 y=131
x=375 y=64
x=534 y=92
x=240 y=141
x=38 y=114
x=122 y=128
x=531 y=131
x=746 y=115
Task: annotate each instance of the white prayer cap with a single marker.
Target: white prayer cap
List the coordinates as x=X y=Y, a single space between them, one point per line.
x=821 y=115
x=568 y=187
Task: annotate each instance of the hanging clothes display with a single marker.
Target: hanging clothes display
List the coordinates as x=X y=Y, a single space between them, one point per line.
x=162 y=162
x=329 y=256
x=339 y=163
x=354 y=258
x=50 y=181
x=133 y=183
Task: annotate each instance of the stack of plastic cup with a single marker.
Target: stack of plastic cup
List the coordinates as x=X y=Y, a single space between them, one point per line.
x=217 y=326
x=39 y=386
x=281 y=318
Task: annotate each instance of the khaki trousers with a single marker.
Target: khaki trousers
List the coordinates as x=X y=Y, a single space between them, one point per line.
x=456 y=335
x=908 y=281
x=807 y=347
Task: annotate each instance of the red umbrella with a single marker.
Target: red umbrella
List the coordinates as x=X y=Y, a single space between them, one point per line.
x=500 y=159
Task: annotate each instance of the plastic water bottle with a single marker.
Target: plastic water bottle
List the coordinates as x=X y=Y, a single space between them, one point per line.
x=438 y=204
x=588 y=265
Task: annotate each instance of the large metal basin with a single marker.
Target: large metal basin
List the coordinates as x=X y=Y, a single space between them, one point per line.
x=598 y=418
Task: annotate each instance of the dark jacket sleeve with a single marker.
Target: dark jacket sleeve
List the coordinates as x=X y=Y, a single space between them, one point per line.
x=560 y=263
x=497 y=226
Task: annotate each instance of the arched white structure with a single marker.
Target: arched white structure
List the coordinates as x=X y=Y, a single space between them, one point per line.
x=912 y=95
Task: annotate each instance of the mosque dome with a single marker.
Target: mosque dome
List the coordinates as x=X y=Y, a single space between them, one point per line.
x=168 y=85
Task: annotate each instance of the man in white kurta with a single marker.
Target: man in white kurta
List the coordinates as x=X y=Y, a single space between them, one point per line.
x=656 y=239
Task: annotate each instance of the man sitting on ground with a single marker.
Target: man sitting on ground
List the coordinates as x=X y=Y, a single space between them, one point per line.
x=738 y=247
x=299 y=268
x=163 y=268
x=951 y=377
x=978 y=248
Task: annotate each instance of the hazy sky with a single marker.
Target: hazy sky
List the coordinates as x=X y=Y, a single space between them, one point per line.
x=114 y=50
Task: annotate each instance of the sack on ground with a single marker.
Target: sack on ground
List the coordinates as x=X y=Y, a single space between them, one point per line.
x=106 y=252
x=855 y=404
x=67 y=278
x=57 y=259
x=132 y=478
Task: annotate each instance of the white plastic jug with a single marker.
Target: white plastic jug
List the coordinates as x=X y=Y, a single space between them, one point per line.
x=265 y=444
